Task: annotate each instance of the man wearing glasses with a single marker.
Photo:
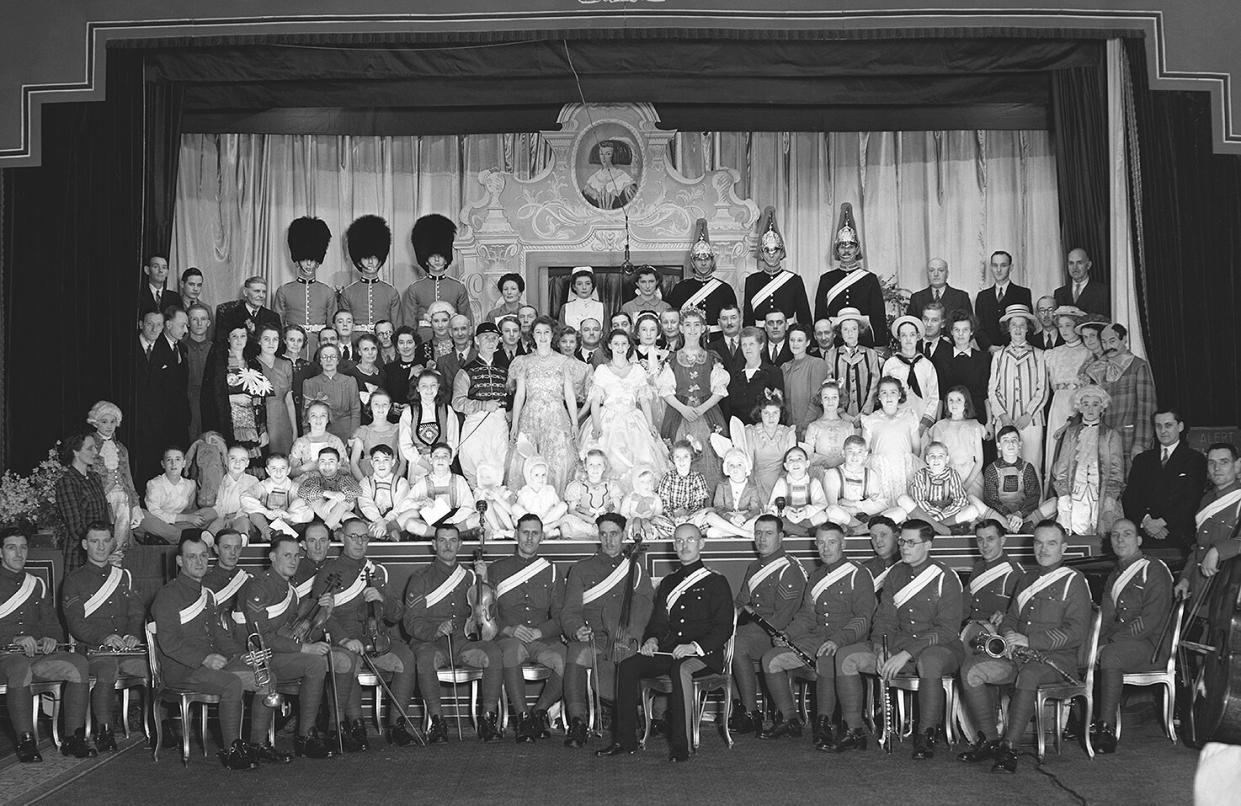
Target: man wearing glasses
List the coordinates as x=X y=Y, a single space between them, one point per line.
x=919 y=614
x=691 y=622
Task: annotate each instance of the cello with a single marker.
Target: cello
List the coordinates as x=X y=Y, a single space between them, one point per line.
x=481 y=624
x=624 y=644
x=1216 y=691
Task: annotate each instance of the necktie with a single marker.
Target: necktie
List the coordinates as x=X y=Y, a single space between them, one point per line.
x=460 y=358
x=1164 y=459
x=999 y=294
x=927 y=349
x=148 y=351
x=1077 y=291
x=935 y=294
x=732 y=345
x=913 y=384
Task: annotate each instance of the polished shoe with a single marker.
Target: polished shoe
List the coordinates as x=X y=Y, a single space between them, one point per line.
x=77 y=746
x=398 y=735
x=238 y=756
x=105 y=739
x=577 y=733
x=489 y=728
x=824 y=733
x=851 y=739
x=542 y=724
x=924 y=745
x=438 y=732
x=343 y=737
x=740 y=721
x=981 y=750
x=312 y=746
x=28 y=749
x=780 y=727
x=759 y=721
x=357 y=729
x=1005 y=758
x=526 y=729
x=615 y=750
x=268 y=754
x=1072 y=727
x=1103 y=738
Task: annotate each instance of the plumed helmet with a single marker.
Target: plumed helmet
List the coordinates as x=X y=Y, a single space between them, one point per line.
x=308 y=239
x=769 y=236
x=368 y=236
x=846 y=232
x=433 y=235
x=702 y=240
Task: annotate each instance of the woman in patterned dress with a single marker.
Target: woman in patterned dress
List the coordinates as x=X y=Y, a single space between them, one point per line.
x=237 y=390
x=279 y=404
x=544 y=409
x=692 y=384
x=426 y=421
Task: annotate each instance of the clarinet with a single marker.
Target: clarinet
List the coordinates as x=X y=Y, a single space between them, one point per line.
x=778 y=635
x=886 y=741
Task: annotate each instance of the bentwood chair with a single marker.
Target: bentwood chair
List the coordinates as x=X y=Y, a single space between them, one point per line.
x=184 y=698
x=1061 y=695
x=703 y=687
x=460 y=676
x=1165 y=677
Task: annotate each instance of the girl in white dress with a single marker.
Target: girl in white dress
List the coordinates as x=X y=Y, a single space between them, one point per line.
x=962 y=434
x=892 y=435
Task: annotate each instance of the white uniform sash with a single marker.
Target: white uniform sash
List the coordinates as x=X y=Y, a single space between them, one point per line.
x=347 y=594
x=1126 y=577
x=611 y=581
x=773 y=285
x=844 y=282
x=880 y=579
x=913 y=586
x=1216 y=506
x=305 y=589
x=701 y=294
x=274 y=611
x=232 y=587
x=19 y=598
x=984 y=579
x=194 y=610
x=446 y=587
x=831 y=579
x=1026 y=595
x=109 y=586
x=766 y=571
x=522 y=577
x=687 y=583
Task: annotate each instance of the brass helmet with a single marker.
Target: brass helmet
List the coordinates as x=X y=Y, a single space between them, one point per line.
x=769 y=234
x=846 y=232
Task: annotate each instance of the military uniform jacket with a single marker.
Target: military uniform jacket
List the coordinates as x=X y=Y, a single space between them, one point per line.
x=789 y=298
x=920 y=607
x=188 y=628
x=1215 y=522
x=863 y=293
x=25 y=608
x=838 y=605
x=723 y=294
x=419 y=295
x=693 y=605
x=991 y=587
x=224 y=585
x=774 y=587
x=370 y=301
x=595 y=593
x=99 y=601
x=303 y=580
x=1137 y=598
x=349 y=610
x=309 y=304
x=528 y=592
x=880 y=569
x=435 y=594
x=1051 y=607
x=269 y=602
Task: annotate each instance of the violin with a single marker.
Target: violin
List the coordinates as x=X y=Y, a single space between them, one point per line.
x=481 y=624
x=376 y=640
x=311 y=616
x=625 y=644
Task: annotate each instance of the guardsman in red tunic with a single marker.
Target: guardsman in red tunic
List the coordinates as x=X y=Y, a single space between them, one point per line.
x=920 y=614
x=529 y=593
x=1050 y=613
x=103 y=611
x=29 y=634
x=436 y=609
x=835 y=612
x=772 y=588
x=591 y=619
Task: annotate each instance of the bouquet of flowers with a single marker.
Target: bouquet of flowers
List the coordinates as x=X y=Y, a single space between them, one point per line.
x=254 y=383
x=30 y=501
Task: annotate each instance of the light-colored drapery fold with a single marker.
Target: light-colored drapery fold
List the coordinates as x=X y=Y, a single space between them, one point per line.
x=959 y=195
x=1124 y=288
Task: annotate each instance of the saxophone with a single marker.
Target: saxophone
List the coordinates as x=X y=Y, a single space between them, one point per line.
x=997 y=646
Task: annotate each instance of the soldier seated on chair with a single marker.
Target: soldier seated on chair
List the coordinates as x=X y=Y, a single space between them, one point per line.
x=29 y=635
x=103 y=611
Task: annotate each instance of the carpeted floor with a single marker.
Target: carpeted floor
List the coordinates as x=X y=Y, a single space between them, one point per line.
x=1148 y=770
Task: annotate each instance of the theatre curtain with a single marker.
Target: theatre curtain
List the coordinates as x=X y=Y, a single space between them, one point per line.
x=958 y=195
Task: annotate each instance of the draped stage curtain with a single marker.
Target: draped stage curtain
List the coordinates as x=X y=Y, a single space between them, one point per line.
x=958 y=195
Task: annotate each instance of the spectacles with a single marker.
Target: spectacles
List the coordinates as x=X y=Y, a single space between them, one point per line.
x=905 y=542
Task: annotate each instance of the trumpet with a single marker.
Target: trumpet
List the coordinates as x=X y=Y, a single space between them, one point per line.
x=258 y=658
x=997 y=646
x=61 y=646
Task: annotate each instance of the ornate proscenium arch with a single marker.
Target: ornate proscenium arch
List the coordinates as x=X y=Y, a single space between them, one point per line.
x=55 y=52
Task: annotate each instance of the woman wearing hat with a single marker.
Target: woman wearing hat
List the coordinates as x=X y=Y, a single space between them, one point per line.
x=857 y=368
x=1018 y=384
x=1063 y=363
x=583 y=299
x=915 y=371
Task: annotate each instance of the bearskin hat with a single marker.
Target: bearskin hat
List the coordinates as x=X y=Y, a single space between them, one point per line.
x=308 y=239
x=368 y=236
x=433 y=235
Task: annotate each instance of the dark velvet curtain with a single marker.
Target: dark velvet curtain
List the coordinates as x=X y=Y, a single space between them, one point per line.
x=162 y=102
x=1190 y=229
x=1079 y=135
x=73 y=249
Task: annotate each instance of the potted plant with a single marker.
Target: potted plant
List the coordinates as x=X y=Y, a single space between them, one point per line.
x=29 y=502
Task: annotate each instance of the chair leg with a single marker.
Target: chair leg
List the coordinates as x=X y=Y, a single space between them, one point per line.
x=1119 y=709
x=89 y=725
x=379 y=698
x=474 y=689
x=186 y=726
x=1040 y=736
x=56 y=699
x=950 y=701
x=124 y=711
x=647 y=707
x=202 y=733
x=728 y=707
x=1169 y=702
x=1089 y=718
x=159 y=730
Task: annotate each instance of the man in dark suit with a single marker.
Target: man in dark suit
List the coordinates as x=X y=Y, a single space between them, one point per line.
x=935 y=345
x=691 y=621
x=1090 y=295
x=1165 y=485
x=154 y=295
x=777 y=351
x=727 y=343
x=938 y=290
x=591 y=347
x=1049 y=336
x=161 y=408
x=248 y=312
x=511 y=344
x=991 y=301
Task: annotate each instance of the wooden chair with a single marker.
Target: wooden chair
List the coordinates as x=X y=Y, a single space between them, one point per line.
x=703 y=686
x=367 y=679
x=39 y=690
x=1063 y=694
x=185 y=698
x=1165 y=677
x=461 y=675
x=531 y=672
